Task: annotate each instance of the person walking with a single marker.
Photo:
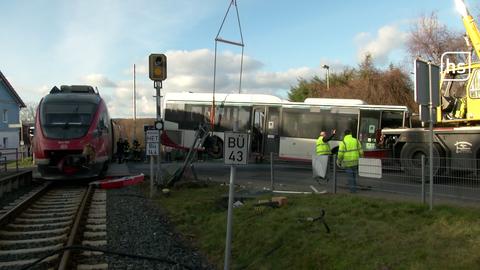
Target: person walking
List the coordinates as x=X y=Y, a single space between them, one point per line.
x=322 y=149
x=350 y=150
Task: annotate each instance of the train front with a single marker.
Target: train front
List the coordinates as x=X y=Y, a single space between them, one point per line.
x=71 y=139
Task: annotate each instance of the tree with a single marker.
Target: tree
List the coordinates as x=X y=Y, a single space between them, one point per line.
x=300 y=92
x=27 y=114
x=429 y=39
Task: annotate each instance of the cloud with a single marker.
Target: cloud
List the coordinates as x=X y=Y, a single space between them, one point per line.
x=388 y=39
x=192 y=71
x=99 y=80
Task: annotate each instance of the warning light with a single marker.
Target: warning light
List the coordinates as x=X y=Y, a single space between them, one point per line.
x=157 y=67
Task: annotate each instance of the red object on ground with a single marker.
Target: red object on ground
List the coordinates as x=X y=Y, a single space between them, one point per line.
x=119 y=182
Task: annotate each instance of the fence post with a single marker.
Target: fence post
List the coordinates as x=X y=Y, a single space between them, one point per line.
x=423 y=179
x=334 y=174
x=16 y=158
x=431 y=185
x=271 y=171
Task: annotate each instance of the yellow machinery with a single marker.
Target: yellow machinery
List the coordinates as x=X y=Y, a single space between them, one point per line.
x=460 y=82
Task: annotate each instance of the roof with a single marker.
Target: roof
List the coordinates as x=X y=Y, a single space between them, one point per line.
x=222 y=97
x=334 y=101
x=72 y=98
x=12 y=91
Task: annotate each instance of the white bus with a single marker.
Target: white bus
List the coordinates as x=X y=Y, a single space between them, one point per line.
x=288 y=129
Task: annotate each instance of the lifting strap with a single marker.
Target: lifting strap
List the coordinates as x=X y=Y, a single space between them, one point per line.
x=235 y=43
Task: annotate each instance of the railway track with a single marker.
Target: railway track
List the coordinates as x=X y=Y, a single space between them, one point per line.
x=49 y=220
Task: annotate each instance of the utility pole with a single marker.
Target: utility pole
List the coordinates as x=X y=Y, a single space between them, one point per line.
x=327 y=67
x=134 y=137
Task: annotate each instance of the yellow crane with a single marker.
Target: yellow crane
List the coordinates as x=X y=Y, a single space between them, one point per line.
x=460 y=82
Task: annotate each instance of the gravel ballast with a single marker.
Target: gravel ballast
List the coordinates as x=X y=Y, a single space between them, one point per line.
x=136 y=226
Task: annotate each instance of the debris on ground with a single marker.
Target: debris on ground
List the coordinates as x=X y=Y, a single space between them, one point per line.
x=237 y=204
x=320 y=218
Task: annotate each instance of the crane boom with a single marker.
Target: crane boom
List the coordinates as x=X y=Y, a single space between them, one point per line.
x=470 y=26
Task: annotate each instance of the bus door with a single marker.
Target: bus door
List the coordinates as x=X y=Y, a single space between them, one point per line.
x=272 y=143
x=369 y=129
x=258 y=130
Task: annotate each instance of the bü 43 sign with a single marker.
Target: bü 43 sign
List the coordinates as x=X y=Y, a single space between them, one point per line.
x=236 y=148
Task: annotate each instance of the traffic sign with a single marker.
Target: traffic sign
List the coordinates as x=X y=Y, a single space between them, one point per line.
x=235 y=148
x=152 y=149
x=426 y=74
x=153 y=136
x=152 y=141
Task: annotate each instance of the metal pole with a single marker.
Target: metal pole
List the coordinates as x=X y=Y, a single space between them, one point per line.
x=134 y=104
x=423 y=179
x=271 y=171
x=152 y=176
x=328 y=78
x=228 y=240
x=334 y=173
x=158 y=86
x=228 y=247
x=430 y=106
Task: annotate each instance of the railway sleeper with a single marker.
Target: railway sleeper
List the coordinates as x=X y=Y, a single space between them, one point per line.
x=7 y=243
x=37 y=226
x=22 y=263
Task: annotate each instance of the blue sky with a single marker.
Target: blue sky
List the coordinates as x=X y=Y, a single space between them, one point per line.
x=46 y=43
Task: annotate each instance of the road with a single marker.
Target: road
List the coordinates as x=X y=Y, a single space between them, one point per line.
x=298 y=177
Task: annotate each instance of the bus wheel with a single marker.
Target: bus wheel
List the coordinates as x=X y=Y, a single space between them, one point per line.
x=411 y=156
x=214 y=146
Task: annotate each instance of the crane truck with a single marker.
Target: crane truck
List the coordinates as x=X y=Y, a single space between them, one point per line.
x=456 y=144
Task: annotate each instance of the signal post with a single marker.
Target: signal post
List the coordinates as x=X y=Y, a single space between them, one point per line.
x=157 y=64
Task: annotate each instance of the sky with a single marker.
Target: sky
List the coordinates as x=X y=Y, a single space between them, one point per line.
x=97 y=42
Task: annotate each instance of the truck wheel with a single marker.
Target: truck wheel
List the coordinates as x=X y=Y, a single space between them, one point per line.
x=214 y=146
x=411 y=155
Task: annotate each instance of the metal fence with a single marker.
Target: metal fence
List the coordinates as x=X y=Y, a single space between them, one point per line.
x=9 y=155
x=404 y=179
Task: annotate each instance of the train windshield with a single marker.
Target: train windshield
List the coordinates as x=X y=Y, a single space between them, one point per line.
x=66 y=120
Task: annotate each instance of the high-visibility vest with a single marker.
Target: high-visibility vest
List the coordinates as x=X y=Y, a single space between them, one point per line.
x=461 y=109
x=322 y=147
x=350 y=151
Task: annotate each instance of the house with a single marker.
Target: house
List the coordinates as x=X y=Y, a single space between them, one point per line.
x=10 y=105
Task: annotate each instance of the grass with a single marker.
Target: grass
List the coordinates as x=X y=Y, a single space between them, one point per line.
x=22 y=163
x=365 y=233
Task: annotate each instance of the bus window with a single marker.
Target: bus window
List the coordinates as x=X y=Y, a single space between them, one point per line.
x=302 y=123
x=194 y=115
x=369 y=127
x=392 y=119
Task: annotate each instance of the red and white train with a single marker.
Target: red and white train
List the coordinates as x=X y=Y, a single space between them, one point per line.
x=73 y=134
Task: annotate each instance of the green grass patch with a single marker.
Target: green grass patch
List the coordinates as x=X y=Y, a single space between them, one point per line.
x=22 y=163
x=365 y=233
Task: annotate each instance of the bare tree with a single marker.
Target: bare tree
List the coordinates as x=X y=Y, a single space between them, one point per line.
x=429 y=39
x=27 y=114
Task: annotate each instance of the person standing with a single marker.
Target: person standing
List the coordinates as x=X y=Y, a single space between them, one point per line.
x=120 y=150
x=322 y=149
x=350 y=150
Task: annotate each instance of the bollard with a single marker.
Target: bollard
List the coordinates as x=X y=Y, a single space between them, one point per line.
x=271 y=171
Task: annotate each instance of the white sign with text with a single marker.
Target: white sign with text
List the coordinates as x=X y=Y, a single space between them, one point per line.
x=235 y=148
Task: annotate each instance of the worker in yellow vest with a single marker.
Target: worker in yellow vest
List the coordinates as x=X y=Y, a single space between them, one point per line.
x=349 y=151
x=322 y=143
x=323 y=148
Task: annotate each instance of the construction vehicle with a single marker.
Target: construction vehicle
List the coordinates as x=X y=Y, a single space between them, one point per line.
x=456 y=144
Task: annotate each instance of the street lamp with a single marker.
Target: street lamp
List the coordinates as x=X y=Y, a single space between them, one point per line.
x=328 y=75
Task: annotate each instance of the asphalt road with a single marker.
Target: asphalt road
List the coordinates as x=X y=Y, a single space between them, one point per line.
x=298 y=177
